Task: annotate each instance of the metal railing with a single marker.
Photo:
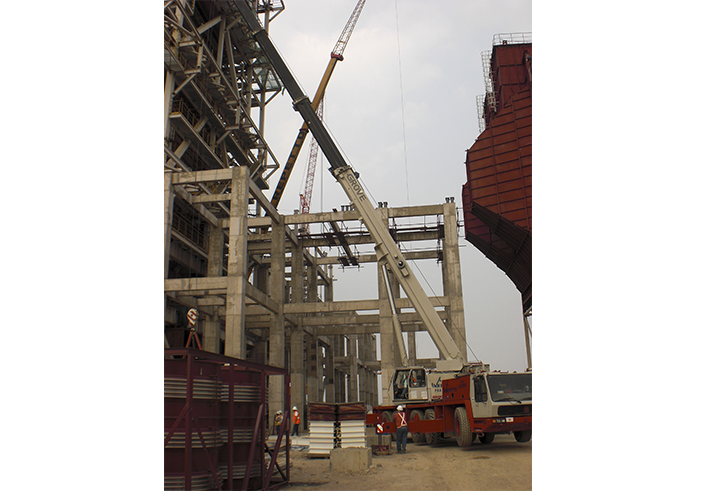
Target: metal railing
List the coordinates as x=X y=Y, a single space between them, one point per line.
x=512 y=38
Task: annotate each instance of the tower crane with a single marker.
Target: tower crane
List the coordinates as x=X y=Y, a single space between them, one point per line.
x=335 y=56
x=306 y=196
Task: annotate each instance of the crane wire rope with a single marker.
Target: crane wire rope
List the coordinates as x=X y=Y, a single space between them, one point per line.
x=403 y=116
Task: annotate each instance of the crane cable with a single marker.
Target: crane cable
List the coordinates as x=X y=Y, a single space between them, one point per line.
x=403 y=116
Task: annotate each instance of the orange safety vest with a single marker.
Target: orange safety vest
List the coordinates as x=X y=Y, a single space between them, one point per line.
x=400 y=419
x=296 y=418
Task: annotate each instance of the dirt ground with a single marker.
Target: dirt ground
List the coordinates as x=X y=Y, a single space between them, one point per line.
x=503 y=465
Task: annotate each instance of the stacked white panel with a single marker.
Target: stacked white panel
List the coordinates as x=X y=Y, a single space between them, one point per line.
x=321 y=438
x=353 y=433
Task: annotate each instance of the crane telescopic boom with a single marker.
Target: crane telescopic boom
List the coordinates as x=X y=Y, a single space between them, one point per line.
x=335 y=56
x=386 y=249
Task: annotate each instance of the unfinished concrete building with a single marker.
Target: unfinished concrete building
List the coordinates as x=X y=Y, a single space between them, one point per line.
x=261 y=282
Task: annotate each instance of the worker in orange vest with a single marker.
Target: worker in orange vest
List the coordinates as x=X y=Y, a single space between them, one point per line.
x=401 y=429
x=296 y=422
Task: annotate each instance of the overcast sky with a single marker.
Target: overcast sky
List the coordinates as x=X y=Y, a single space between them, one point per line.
x=402 y=106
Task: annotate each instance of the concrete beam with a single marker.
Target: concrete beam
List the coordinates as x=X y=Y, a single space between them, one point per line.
x=354 y=319
x=192 y=284
x=202 y=176
x=353 y=215
x=261 y=298
x=352 y=305
x=365 y=238
x=371 y=258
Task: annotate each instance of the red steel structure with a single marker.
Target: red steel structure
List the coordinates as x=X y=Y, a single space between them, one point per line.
x=497 y=195
x=215 y=423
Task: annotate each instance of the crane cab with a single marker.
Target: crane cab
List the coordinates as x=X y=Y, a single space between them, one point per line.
x=410 y=384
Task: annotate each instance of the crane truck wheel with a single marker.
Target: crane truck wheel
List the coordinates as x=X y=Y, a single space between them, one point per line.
x=463 y=432
x=522 y=436
x=417 y=414
x=486 y=438
x=431 y=438
x=387 y=416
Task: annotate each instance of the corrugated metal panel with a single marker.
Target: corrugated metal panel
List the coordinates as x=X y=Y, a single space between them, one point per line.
x=497 y=196
x=499 y=165
x=510 y=71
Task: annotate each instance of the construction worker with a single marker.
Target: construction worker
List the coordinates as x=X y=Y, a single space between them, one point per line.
x=401 y=429
x=296 y=422
x=278 y=421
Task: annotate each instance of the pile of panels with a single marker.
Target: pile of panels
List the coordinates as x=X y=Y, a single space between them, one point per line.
x=336 y=426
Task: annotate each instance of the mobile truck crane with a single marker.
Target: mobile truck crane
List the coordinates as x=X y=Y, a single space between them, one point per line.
x=464 y=404
x=458 y=398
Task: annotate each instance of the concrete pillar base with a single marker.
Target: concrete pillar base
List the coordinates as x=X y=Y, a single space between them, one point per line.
x=352 y=459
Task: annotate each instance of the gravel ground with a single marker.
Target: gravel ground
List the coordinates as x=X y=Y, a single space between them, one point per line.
x=503 y=465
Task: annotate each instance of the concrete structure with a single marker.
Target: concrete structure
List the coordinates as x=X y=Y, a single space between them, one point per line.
x=352 y=459
x=262 y=284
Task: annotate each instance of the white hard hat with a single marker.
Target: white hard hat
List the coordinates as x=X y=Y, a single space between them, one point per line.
x=294 y=408
x=399 y=408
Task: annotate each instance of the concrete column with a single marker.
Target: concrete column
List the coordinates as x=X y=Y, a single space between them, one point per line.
x=329 y=352
x=452 y=280
x=365 y=355
x=311 y=369
x=329 y=371
x=297 y=341
x=353 y=369
x=340 y=382
x=314 y=365
x=371 y=374
x=390 y=357
x=212 y=327
x=363 y=371
x=235 y=342
x=412 y=351
x=276 y=348
x=169 y=90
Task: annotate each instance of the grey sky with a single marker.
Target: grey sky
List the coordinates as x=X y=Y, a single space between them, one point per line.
x=440 y=76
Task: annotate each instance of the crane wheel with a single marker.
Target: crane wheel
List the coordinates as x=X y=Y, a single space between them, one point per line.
x=463 y=432
x=431 y=438
x=417 y=414
x=387 y=416
x=486 y=438
x=522 y=436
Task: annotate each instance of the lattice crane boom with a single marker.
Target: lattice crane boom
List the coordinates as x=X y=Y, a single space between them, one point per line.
x=306 y=196
x=335 y=56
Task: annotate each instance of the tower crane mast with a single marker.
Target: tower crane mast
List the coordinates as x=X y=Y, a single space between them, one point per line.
x=335 y=56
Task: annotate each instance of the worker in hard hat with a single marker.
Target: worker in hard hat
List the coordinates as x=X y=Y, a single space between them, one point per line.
x=401 y=429
x=296 y=422
x=278 y=420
